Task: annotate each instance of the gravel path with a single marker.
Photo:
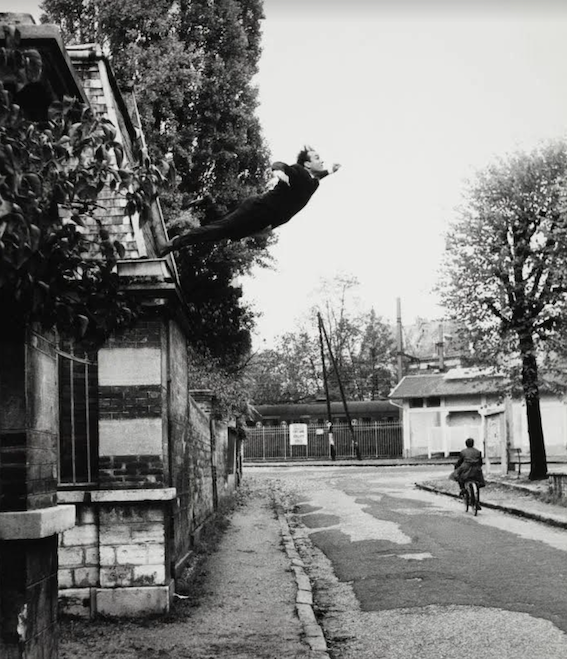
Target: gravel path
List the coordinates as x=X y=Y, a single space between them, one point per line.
x=241 y=602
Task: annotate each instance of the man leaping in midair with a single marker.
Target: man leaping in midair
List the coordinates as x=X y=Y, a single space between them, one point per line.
x=294 y=186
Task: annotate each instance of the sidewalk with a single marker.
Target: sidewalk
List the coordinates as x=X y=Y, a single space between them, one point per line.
x=248 y=598
x=512 y=495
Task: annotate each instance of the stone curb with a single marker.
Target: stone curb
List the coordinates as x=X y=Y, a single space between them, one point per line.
x=312 y=630
x=518 y=512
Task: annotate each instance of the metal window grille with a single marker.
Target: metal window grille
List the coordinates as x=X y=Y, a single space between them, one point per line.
x=78 y=416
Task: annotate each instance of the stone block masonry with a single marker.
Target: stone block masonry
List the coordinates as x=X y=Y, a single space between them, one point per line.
x=28 y=597
x=79 y=563
x=115 y=561
x=29 y=517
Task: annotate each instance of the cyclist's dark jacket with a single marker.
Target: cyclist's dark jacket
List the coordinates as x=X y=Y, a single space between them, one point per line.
x=469 y=466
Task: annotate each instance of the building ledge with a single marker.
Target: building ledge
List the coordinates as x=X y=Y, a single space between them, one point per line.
x=34 y=524
x=117 y=496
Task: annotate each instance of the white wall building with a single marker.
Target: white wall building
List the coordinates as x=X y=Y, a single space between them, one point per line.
x=439 y=411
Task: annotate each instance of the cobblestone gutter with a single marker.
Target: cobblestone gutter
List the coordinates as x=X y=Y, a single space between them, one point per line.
x=312 y=631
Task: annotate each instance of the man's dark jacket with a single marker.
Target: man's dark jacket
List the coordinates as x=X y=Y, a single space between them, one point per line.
x=255 y=214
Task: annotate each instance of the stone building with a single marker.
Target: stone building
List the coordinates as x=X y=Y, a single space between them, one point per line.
x=110 y=465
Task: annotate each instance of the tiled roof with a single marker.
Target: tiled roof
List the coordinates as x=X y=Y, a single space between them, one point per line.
x=305 y=409
x=112 y=206
x=447 y=384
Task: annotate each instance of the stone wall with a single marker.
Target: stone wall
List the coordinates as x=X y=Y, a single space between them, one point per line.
x=114 y=562
x=79 y=558
x=163 y=466
x=29 y=516
x=192 y=479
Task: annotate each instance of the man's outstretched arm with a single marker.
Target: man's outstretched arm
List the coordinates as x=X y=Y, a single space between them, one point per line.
x=331 y=169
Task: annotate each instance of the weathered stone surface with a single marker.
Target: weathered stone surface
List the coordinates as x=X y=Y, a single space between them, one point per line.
x=132 y=602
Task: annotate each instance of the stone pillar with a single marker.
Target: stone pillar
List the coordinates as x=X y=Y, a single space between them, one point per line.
x=135 y=574
x=117 y=560
x=29 y=517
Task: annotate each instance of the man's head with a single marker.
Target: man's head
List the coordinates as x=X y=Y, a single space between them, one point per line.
x=311 y=160
x=469 y=442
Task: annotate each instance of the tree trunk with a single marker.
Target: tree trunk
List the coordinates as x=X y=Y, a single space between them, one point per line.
x=538 y=459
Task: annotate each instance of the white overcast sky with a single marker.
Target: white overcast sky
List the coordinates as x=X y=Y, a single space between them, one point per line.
x=411 y=97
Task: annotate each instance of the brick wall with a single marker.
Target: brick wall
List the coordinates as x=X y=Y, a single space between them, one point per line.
x=111 y=206
x=201 y=476
x=131 y=471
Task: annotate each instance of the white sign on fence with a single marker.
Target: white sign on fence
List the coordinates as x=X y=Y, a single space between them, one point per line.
x=298 y=434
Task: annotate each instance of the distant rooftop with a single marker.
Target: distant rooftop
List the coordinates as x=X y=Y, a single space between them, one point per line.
x=460 y=382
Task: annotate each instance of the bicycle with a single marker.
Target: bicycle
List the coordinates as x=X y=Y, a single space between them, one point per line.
x=471 y=497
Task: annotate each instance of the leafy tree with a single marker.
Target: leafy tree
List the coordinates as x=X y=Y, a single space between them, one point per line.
x=231 y=388
x=52 y=269
x=505 y=270
x=343 y=328
x=375 y=362
x=362 y=344
x=192 y=65
x=290 y=373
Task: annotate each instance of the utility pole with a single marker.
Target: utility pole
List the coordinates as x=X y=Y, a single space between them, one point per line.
x=327 y=399
x=343 y=397
x=400 y=346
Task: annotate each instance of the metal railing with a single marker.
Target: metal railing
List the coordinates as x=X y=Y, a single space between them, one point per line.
x=375 y=440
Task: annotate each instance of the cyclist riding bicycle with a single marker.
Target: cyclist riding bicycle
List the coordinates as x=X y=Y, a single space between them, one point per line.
x=469 y=466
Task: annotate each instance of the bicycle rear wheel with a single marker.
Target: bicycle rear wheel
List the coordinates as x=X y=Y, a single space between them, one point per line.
x=476 y=498
x=471 y=489
x=467 y=498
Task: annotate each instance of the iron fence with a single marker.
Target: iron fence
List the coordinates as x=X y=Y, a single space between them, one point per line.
x=375 y=440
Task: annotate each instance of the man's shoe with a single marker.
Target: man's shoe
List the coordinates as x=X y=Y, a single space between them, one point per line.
x=163 y=250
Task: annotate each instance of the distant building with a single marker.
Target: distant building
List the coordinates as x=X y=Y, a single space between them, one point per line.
x=440 y=410
x=434 y=345
x=380 y=411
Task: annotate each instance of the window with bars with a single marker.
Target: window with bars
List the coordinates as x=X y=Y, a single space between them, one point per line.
x=78 y=415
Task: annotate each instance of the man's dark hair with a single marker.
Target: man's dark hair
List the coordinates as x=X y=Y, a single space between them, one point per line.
x=469 y=442
x=303 y=155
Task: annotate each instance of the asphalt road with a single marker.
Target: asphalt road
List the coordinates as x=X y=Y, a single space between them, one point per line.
x=400 y=573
